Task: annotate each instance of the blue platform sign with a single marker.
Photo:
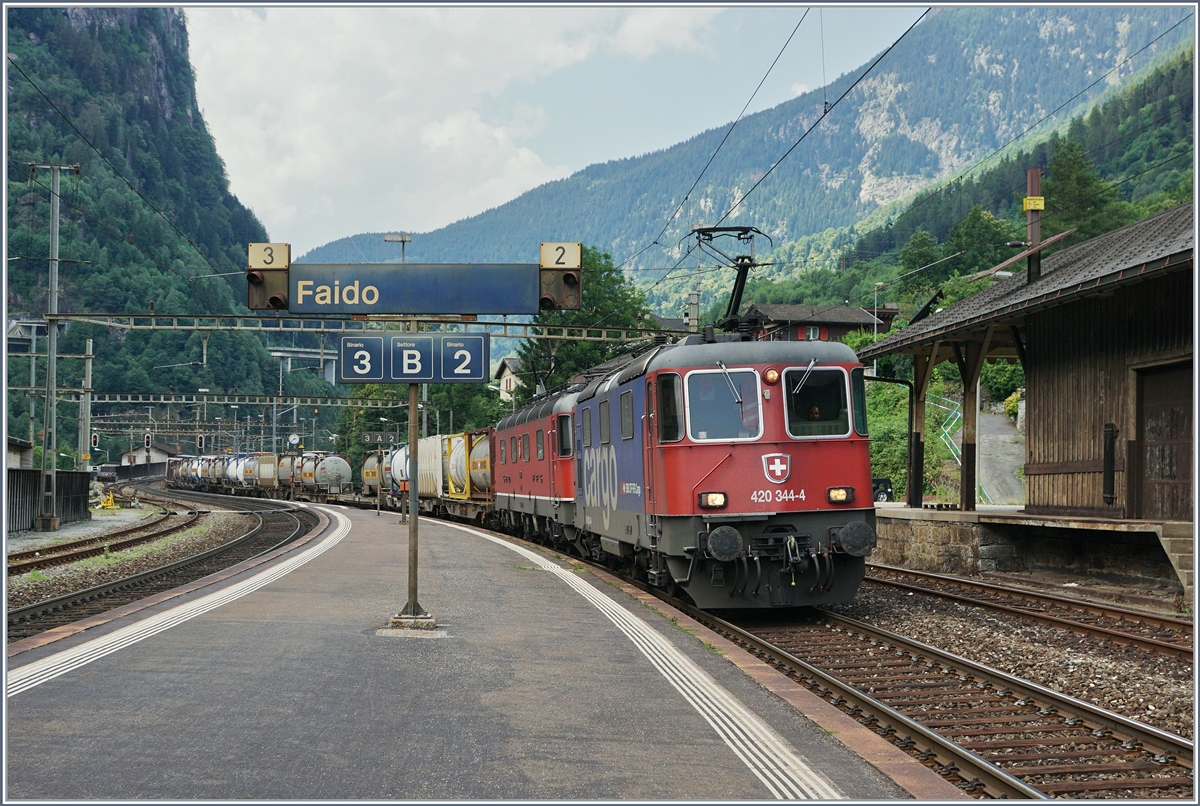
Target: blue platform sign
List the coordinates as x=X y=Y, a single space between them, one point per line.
x=415 y=358
x=414 y=288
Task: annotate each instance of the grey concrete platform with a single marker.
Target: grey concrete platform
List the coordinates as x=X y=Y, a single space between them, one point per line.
x=297 y=690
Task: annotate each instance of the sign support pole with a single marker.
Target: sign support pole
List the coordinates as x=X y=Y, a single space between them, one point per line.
x=413 y=616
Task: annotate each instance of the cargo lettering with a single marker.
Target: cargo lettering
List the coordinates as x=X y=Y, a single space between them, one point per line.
x=600 y=484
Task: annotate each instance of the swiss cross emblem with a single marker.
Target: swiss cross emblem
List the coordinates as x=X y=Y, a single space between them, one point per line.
x=777 y=467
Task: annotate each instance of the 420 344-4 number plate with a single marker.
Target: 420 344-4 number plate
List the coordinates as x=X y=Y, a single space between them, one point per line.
x=777 y=496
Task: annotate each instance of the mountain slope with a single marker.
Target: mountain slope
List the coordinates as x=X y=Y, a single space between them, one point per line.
x=964 y=82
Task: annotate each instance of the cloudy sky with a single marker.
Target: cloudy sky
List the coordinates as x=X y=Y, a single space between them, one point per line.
x=334 y=121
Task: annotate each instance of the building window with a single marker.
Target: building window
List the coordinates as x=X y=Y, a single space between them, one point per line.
x=605 y=432
x=812 y=332
x=540 y=442
x=627 y=415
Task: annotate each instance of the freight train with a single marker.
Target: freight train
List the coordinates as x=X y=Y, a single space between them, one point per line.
x=735 y=473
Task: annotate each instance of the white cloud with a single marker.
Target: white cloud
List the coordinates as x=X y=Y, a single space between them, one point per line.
x=336 y=121
x=799 y=89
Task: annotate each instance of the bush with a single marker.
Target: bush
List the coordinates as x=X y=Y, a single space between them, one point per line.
x=1010 y=403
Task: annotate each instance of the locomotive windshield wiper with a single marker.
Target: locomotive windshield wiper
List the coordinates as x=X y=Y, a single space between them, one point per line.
x=811 y=364
x=736 y=397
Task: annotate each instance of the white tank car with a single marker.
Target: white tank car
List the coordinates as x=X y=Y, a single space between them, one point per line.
x=308 y=470
x=233 y=471
x=399 y=466
x=479 y=469
x=332 y=474
x=216 y=474
x=287 y=475
x=430 y=467
x=370 y=473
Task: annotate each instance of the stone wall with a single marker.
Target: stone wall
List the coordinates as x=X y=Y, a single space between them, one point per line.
x=954 y=545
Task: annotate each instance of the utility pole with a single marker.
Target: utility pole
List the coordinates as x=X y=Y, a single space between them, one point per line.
x=85 y=412
x=47 y=521
x=1034 y=202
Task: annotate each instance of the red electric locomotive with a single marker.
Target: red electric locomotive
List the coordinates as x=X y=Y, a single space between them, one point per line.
x=735 y=472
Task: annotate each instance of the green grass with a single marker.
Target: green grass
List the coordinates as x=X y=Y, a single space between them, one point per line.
x=524 y=568
x=710 y=647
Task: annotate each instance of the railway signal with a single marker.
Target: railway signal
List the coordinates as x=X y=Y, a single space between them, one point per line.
x=95 y=440
x=148 y=440
x=560 y=266
x=199 y=442
x=267 y=276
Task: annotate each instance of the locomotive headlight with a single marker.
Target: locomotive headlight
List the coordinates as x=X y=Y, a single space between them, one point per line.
x=840 y=495
x=713 y=500
x=771 y=376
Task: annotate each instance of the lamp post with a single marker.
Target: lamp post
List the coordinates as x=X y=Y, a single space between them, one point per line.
x=401 y=238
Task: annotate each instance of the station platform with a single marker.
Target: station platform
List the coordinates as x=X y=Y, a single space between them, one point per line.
x=280 y=679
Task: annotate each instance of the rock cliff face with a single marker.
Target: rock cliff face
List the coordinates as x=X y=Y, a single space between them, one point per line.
x=166 y=43
x=112 y=89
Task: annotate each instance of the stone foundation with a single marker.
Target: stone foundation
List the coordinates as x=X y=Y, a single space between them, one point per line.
x=963 y=544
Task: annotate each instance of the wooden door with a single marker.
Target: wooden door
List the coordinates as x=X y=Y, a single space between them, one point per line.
x=1164 y=446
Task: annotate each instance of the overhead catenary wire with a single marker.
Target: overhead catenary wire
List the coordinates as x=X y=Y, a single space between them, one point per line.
x=825 y=114
x=12 y=62
x=717 y=150
x=126 y=239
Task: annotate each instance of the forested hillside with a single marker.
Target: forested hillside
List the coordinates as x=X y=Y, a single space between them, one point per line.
x=964 y=82
x=147 y=220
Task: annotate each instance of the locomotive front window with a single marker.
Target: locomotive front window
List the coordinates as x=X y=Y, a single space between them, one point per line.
x=816 y=404
x=566 y=442
x=858 y=392
x=723 y=404
x=670 y=407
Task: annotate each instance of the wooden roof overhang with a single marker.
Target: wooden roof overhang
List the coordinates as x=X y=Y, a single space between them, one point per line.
x=1003 y=321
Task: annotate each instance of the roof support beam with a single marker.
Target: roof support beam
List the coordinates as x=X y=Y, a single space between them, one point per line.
x=972 y=367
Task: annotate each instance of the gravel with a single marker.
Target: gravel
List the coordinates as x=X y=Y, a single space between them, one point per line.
x=1151 y=688
x=213 y=530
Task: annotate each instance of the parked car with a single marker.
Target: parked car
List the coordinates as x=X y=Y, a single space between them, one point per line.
x=882 y=489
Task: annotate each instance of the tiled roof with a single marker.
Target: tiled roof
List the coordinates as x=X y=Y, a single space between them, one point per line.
x=1159 y=244
x=814 y=314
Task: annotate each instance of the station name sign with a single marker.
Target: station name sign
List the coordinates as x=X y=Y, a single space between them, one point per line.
x=415 y=358
x=414 y=288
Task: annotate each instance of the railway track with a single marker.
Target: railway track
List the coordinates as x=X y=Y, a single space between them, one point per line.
x=278 y=524
x=1161 y=634
x=22 y=562
x=993 y=734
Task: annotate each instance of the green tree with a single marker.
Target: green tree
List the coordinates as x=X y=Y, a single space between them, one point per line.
x=979 y=237
x=609 y=300
x=1076 y=197
x=921 y=250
